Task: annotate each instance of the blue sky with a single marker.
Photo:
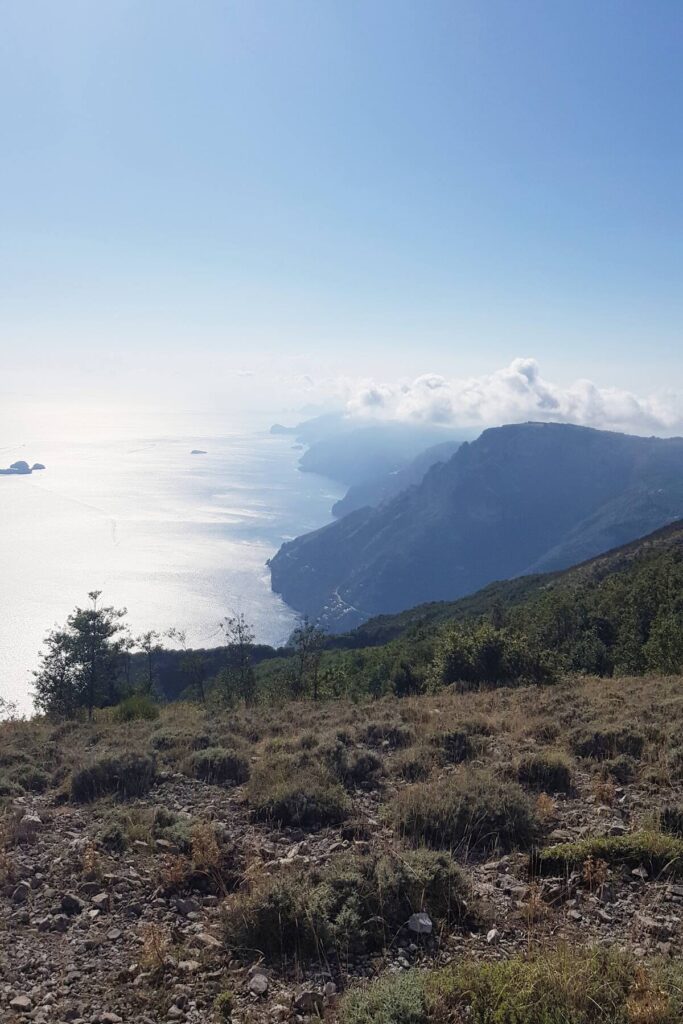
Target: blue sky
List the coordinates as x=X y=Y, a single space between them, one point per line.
x=217 y=200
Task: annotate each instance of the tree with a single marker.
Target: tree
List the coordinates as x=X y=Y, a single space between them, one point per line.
x=238 y=678
x=83 y=662
x=149 y=644
x=193 y=663
x=308 y=641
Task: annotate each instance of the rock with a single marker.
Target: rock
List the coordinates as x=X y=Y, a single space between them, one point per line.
x=101 y=900
x=71 y=904
x=420 y=924
x=492 y=936
x=187 y=906
x=640 y=873
x=208 y=940
x=310 y=1001
x=258 y=985
x=110 y=1018
x=21 y=1004
x=29 y=825
x=330 y=990
x=21 y=893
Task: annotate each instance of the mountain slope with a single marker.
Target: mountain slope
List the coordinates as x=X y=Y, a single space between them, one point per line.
x=582 y=579
x=523 y=498
x=378 y=489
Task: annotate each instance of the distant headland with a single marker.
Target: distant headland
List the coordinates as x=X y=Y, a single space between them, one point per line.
x=21 y=468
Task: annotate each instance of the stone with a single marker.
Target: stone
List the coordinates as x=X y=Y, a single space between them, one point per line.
x=29 y=825
x=492 y=936
x=420 y=924
x=187 y=906
x=21 y=893
x=21 y=1004
x=71 y=904
x=310 y=1001
x=258 y=985
x=640 y=873
x=208 y=940
x=101 y=900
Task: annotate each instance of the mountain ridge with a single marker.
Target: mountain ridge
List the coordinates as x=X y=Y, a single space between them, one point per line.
x=521 y=498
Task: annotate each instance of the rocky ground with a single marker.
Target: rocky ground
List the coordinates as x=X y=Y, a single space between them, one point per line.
x=93 y=936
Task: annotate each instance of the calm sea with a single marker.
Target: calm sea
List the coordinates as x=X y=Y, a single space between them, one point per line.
x=178 y=539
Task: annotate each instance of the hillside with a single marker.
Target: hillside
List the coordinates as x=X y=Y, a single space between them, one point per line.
x=520 y=499
x=380 y=488
x=372 y=862
x=582 y=580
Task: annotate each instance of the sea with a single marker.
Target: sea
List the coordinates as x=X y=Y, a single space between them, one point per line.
x=178 y=539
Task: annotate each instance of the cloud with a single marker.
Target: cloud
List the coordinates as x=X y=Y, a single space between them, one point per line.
x=515 y=393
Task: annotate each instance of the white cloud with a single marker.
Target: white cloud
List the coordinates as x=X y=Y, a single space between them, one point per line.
x=516 y=393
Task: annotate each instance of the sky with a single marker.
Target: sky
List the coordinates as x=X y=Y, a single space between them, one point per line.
x=217 y=209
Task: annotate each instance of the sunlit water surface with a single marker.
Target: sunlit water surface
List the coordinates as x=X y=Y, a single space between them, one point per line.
x=178 y=539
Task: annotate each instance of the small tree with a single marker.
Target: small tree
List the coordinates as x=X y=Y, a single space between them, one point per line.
x=308 y=641
x=193 y=663
x=83 y=662
x=148 y=644
x=238 y=678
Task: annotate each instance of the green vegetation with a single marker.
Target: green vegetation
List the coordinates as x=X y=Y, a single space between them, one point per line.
x=125 y=777
x=473 y=812
x=566 y=986
x=288 y=792
x=353 y=905
x=657 y=852
x=548 y=771
x=219 y=766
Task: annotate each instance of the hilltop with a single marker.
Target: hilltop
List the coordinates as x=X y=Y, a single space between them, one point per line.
x=348 y=860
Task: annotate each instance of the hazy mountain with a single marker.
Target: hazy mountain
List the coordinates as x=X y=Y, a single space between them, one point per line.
x=520 y=499
x=379 y=489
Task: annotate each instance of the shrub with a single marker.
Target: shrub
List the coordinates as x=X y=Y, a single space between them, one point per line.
x=31 y=779
x=472 y=812
x=352 y=767
x=456 y=746
x=622 y=769
x=396 y=999
x=219 y=766
x=657 y=852
x=288 y=793
x=354 y=904
x=128 y=776
x=548 y=772
x=137 y=706
x=671 y=821
x=383 y=734
x=415 y=765
x=469 y=656
x=603 y=744
x=577 y=986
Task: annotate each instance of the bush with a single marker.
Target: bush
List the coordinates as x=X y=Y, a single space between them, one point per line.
x=603 y=744
x=469 y=656
x=396 y=999
x=469 y=812
x=415 y=765
x=137 y=706
x=124 y=777
x=593 y=986
x=456 y=746
x=660 y=854
x=382 y=734
x=353 y=768
x=288 y=793
x=354 y=905
x=671 y=821
x=31 y=779
x=548 y=772
x=622 y=769
x=219 y=766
